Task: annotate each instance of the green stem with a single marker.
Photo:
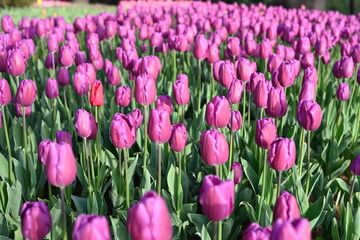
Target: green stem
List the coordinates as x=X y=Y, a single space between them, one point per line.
x=174 y=64
x=216 y=228
x=98 y=141
x=50 y=192
x=244 y=108
x=279 y=185
x=65 y=237
x=183 y=114
x=88 y=166
x=352 y=91
x=199 y=85
x=127 y=190
x=212 y=79
x=120 y=173
x=302 y=139
x=65 y=100
x=159 y=170
x=217 y=170
x=91 y=162
x=220 y=231
x=53 y=63
x=146 y=137
x=263 y=186
x=7 y=143
x=249 y=109
x=179 y=200
x=308 y=166
x=25 y=132
x=352 y=189
x=231 y=138
x=17 y=81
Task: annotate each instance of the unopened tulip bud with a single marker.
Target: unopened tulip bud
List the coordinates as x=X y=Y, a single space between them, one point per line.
x=43 y=150
x=235 y=92
x=282 y=154
x=286 y=207
x=276 y=103
x=16 y=64
x=165 y=102
x=159 y=126
x=145 y=90
x=66 y=56
x=237 y=168
x=81 y=83
x=89 y=70
x=218 y=112
x=178 y=139
x=91 y=227
x=122 y=131
x=51 y=88
x=63 y=137
x=294 y=229
x=235 y=122
x=123 y=96
x=309 y=115
x=214 y=147
x=5 y=92
x=97 y=94
x=26 y=93
x=355 y=166
x=181 y=90
x=244 y=69
x=265 y=133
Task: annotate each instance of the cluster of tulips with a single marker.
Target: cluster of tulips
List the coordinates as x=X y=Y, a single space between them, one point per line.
x=222 y=63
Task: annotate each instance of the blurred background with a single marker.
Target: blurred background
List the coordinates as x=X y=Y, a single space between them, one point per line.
x=344 y=6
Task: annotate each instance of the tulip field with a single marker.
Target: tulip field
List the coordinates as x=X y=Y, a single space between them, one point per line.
x=179 y=120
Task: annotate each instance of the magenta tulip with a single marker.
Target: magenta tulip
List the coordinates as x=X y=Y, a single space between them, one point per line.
x=214 y=147
x=298 y=229
x=159 y=126
x=265 y=133
x=178 y=139
x=16 y=63
x=309 y=115
x=91 y=227
x=165 y=102
x=218 y=112
x=286 y=207
x=276 y=103
x=26 y=93
x=343 y=92
x=282 y=154
x=5 y=92
x=145 y=90
x=123 y=96
x=122 y=131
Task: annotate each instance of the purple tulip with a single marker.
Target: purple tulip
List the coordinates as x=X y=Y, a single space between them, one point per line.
x=235 y=122
x=244 y=69
x=274 y=63
x=91 y=227
x=5 y=92
x=52 y=43
x=237 y=168
x=235 y=92
x=51 y=88
x=123 y=96
x=181 y=90
x=347 y=67
x=218 y=112
x=276 y=103
x=150 y=65
x=343 y=92
x=265 y=49
x=214 y=147
x=66 y=56
x=113 y=76
x=63 y=77
x=63 y=137
x=309 y=115
x=81 y=83
x=282 y=154
x=295 y=229
x=80 y=58
x=145 y=90
x=255 y=232
x=178 y=139
x=26 y=93
x=200 y=47
x=308 y=91
x=227 y=74
x=286 y=207
x=122 y=131
x=89 y=70
x=265 y=133
x=16 y=63
x=159 y=126
x=286 y=74
x=83 y=124
x=308 y=60
x=217 y=197
x=355 y=166
x=43 y=150
x=165 y=102
x=136 y=117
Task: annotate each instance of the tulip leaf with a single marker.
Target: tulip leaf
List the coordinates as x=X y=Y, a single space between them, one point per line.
x=80 y=203
x=343 y=185
x=14 y=193
x=251 y=175
x=315 y=211
x=334 y=230
x=198 y=220
x=4 y=169
x=357 y=224
x=119 y=229
x=4 y=228
x=17 y=132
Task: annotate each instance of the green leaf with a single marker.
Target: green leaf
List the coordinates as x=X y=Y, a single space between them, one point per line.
x=204 y=233
x=80 y=203
x=315 y=211
x=198 y=220
x=251 y=175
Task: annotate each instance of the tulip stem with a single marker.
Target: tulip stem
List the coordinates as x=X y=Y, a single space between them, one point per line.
x=179 y=200
x=127 y=190
x=216 y=228
x=91 y=162
x=88 y=166
x=231 y=137
x=199 y=85
x=220 y=231
x=98 y=141
x=318 y=72
x=174 y=63
x=243 y=111
x=24 y=132
x=7 y=143
x=54 y=111
x=146 y=137
x=352 y=189
x=183 y=114
x=50 y=192
x=249 y=109
x=339 y=115
x=302 y=139
x=53 y=65
x=212 y=80
x=279 y=185
x=65 y=101
x=308 y=166
x=352 y=91
x=120 y=173
x=159 y=170
x=63 y=212
x=263 y=186
x=17 y=81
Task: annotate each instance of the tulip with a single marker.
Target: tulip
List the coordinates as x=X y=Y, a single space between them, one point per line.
x=304 y=45
x=254 y=79
x=235 y=122
x=233 y=46
x=26 y=93
x=343 y=92
x=355 y=166
x=107 y=65
x=113 y=76
x=295 y=229
x=89 y=70
x=310 y=73
x=346 y=49
x=275 y=80
x=181 y=90
x=43 y=150
x=347 y=67
x=52 y=43
x=66 y=56
x=237 y=168
x=51 y=88
x=274 y=63
x=51 y=61
x=218 y=112
x=286 y=74
x=308 y=91
x=60 y=165
x=227 y=74
x=214 y=147
x=156 y=39
x=307 y=60
x=19 y=111
x=150 y=65
x=5 y=92
x=178 y=139
x=244 y=69
x=63 y=77
x=123 y=96
x=217 y=197
x=309 y=115
x=336 y=69
x=35 y=220
x=83 y=124
x=63 y=137
x=265 y=49
x=111 y=28
x=149 y=217
x=276 y=103
x=80 y=58
x=255 y=232
x=165 y=102
x=321 y=46
x=145 y=90
x=81 y=83
x=200 y=47
x=16 y=63
x=7 y=24
x=159 y=126
x=213 y=53
x=286 y=207
x=97 y=94
x=265 y=133
x=356 y=53
x=135 y=117
x=122 y=131
x=182 y=43
x=235 y=92
x=282 y=154
x=91 y=227
x=3 y=60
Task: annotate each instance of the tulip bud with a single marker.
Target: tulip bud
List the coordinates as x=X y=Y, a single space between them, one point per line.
x=122 y=131
x=289 y=53
x=145 y=90
x=265 y=133
x=150 y=65
x=80 y=58
x=275 y=80
x=107 y=65
x=347 y=67
x=81 y=83
x=308 y=91
x=346 y=49
x=66 y=56
x=26 y=93
x=123 y=96
x=358 y=76
x=356 y=53
x=286 y=207
x=254 y=79
x=276 y=103
x=233 y=46
x=97 y=94
x=255 y=232
x=304 y=45
x=43 y=150
x=5 y=92
x=265 y=48
x=181 y=90
x=217 y=197
x=294 y=229
x=227 y=74
x=63 y=77
x=16 y=63
x=282 y=154
x=156 y=39
x=135 y=117
x=355 y=166
x=178 y=137
x=149 y=217
x=83 y=123
x=321 y=46
x=214 y=147
x=60 y=165
x=218 y=112
x=35 y=220
x=307 y=60
x=213 y=53
x=3 y=60
x=159 y=126
x=343 y=92
x=18 y=110
x=182 y=43
x=261 y=93
x=91 y=227
x=111 y=29
x=311 y=74
x=165 y=102
x=244 y=69
x=336 y=69
x=89 y=70
x=274 y=63
x=309 y=115
x=51 y=61
x=286 y=74
x=237 y=168
x=51 y=88
x=7 y=24
x=235 y=122
x=200 y=47
x=235 y=92
x=52 y=43
x=63 y=137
